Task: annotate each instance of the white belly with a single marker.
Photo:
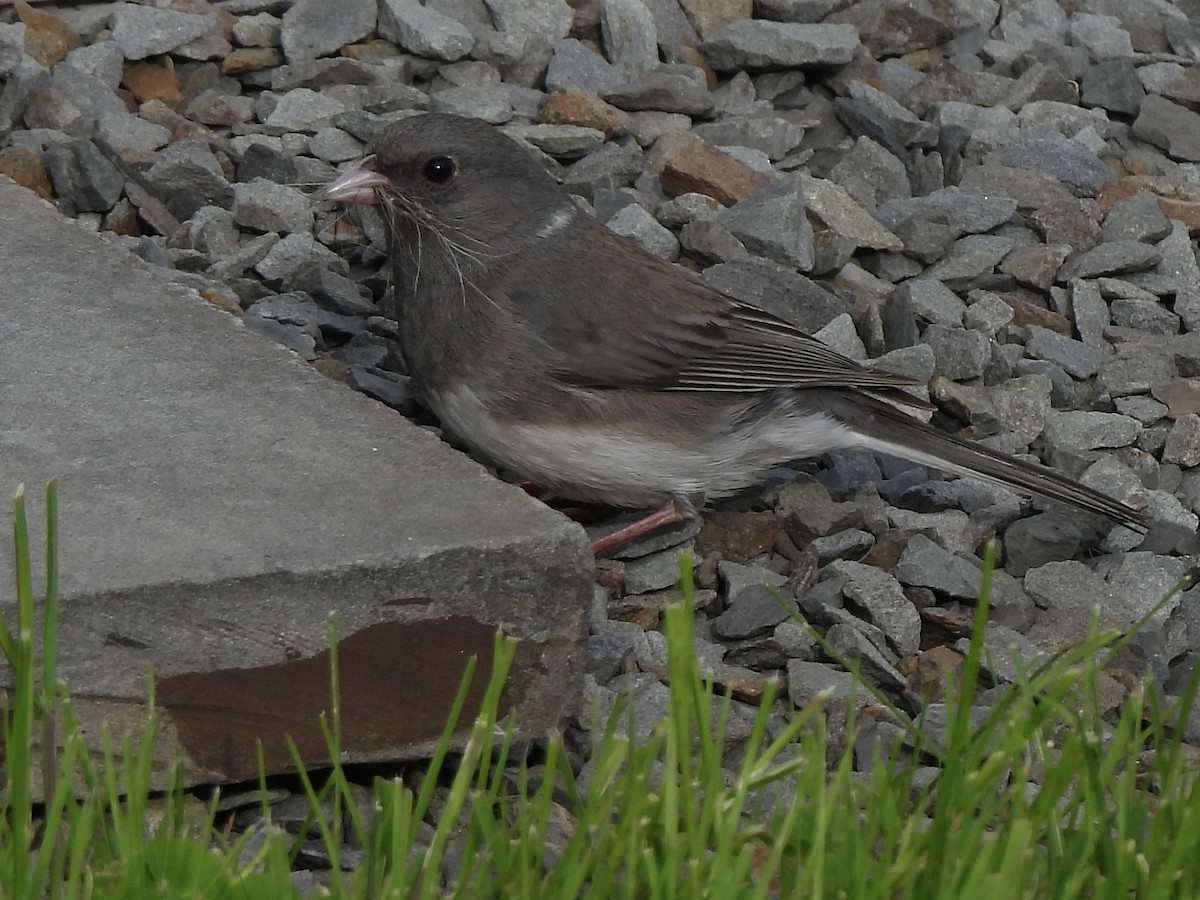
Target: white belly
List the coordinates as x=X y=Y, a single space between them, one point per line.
x=634 y=467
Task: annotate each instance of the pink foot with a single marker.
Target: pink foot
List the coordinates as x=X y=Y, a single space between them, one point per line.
x=657 y=519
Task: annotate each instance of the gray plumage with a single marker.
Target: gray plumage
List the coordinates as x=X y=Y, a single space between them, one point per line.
x=566 y=354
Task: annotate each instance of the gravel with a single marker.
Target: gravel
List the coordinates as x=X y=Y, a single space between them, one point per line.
x=1001 y=199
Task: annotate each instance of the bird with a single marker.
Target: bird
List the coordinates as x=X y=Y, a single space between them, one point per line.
x=567 y=355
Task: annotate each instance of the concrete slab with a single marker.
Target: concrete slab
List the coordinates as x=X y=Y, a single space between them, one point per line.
x=219 y=499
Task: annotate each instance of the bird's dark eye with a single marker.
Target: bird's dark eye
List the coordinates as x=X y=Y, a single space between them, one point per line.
x=440 y=169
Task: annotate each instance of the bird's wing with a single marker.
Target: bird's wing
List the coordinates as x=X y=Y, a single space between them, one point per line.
x=674 y=333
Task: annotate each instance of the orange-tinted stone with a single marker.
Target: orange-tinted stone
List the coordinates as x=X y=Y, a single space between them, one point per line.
x=701 y=168
x=148 y=81
x=585 y=110
x=24 y=167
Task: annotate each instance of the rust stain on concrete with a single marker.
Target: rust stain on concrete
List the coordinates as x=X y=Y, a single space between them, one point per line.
x=398 y=681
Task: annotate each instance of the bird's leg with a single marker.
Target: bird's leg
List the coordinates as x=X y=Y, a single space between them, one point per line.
x=667 y=515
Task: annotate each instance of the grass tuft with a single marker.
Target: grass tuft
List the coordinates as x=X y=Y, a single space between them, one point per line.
x=1041 y=796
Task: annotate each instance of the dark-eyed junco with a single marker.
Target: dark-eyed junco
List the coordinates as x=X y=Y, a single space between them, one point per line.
x=569 y=356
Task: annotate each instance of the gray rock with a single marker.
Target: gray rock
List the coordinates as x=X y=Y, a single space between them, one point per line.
x=295 y=308
x=1170 y=126
x=1137 y=369
x=1067 y=160
x=989 y=127
x=850 y=543
x=1062 y=119
x=880 y=596
x=248 y=253
x=1090 y=312
x=1178 y=259
x=1144 y=315
x=363 y=352
x=1102 y=36
x=755 y=610
x=285 y=255
x=544 y=18
x=142 y=31
x=616 y=164
x=760 y=44
x=933 y=301
x=949 y=528
x=12 y=46
x=960 y=354
x=842 y=336
x=810 y=681
x=574 y=66
x=773 y=222
x=736 y=577
x=491 y=104
x=263 y=29
x=1074 y=357
x=875 y=667
x=1021 y=405
x=1146 y=410
x=630 y=34
x=673 y=28
x=210 y=230
x=1183 y=442
x=102 y=60
x=26 y=77
x=1184 y=38
x=635 y=223
x=188 y=176
x=1122 y=589
x=773 y=135
x=1113 y=85
x=1086 y=430
x=1138 y=217
x=1110 y=258
x=312 y=28
x=987 y=312
x=1008 y=654
x=265 y=206
x=335 y=146
x=970 y=260
x=263 y=161
x=893 y=116
x=82 y=175
x=325 y=73
x=218 y=107
x=653 y=572
x=611 y=645
x=560 y=141
x=1036 y=540
x=131 y=136
x=301 y=341
x=1036 y=265
x=660 y=89
x=1021 y=28
x=833 y=206
x=871 y=175
x=332 y=290
x=963 y=213
x=387 y=387
x=94 y=98
x=687 y=208
x=303 y=109
x=424 y=31
x=643 y=702
x=711 y=242
x=779 y=290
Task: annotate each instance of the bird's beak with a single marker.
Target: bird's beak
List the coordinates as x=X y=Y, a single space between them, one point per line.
x=360 y=183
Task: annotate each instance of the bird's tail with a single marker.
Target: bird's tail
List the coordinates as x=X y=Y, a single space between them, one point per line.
x=882 y=428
